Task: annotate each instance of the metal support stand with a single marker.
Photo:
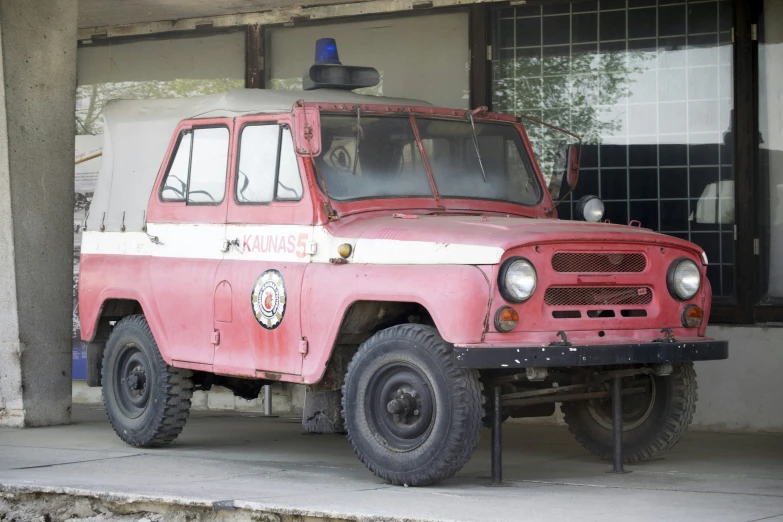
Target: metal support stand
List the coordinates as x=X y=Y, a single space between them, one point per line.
x=617 y=426
x=268 y=400
x=497 y=443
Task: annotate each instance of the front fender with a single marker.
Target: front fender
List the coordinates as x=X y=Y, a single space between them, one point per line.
x=456 y=296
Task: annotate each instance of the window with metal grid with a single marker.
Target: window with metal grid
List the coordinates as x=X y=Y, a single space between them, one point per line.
x=648 y=86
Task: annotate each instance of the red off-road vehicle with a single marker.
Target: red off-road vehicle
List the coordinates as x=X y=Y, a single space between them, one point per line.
x=395 y=257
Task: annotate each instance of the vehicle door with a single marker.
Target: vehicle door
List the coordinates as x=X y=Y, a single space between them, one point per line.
x=186 y=222
x=269 y=228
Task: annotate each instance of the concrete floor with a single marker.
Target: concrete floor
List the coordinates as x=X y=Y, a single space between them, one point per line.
x=269 y=464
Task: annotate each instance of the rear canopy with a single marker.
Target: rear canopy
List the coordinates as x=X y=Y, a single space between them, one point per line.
x=138 y=132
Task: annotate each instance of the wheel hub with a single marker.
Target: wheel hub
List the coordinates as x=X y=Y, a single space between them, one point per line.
x=129 y=381
x=404 y=406
x=400 y=406
x=136 y=380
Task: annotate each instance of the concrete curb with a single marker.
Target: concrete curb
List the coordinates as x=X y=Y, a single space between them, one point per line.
x=217 y=505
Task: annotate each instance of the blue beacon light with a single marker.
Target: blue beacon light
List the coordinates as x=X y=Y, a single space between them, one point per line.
x=326 y=52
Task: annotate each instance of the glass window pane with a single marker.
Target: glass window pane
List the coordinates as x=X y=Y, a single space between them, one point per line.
x=176 y=183
x=771 y=143
x=384 y=161
x=208 y=165
x=289 y=182
x=648 y=88
x=257 y=161
x=451 y=150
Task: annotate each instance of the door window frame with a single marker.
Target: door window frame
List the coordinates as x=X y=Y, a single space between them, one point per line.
x=282 y=128
x=159 y=211
x=173 y=156
x=277 y=212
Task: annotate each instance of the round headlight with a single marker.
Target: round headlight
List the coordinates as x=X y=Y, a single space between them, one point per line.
x=590 y=208
x=517 y=280
x=683 y=279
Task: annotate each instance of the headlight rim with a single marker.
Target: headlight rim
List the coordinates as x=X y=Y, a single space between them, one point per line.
x=582 y=203
x=502 y=279
x=670 y=278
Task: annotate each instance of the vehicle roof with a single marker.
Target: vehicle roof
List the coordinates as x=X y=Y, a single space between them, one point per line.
x=137 y=134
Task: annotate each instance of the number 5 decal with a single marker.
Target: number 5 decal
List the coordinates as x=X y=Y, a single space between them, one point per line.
x=301 y=245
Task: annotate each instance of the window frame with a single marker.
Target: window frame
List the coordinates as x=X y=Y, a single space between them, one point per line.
x=414 y=117
x=192 y=131
x=282 y=127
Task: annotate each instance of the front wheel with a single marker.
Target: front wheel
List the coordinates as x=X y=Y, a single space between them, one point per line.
x=653 y=421
x=412 y=417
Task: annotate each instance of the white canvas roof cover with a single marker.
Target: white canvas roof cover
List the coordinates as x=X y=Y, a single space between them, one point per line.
x=137 y=134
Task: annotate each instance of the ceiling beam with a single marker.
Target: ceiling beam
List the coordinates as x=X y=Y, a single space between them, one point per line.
x=287 y=15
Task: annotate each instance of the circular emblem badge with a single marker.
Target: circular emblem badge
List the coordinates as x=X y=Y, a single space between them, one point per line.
x=268 y=299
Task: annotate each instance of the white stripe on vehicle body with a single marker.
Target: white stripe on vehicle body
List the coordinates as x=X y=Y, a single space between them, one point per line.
x=282 y=243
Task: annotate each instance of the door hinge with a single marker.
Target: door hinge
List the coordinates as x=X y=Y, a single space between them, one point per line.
x=303 y=345
x=732 y=35
x=489 y=53
x=754 y=32
x=216 y=337
x=755 y=246
x=312 y=247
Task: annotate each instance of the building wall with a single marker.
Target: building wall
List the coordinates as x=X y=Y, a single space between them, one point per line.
x=740 y=394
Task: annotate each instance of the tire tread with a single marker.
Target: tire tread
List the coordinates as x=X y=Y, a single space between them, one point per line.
x=466 y=388
x=174 y=389
x=680 y=414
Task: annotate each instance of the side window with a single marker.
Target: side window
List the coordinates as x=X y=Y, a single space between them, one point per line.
x=268 y=169
x=176 y=183
x=208 y=165
x=198 y=171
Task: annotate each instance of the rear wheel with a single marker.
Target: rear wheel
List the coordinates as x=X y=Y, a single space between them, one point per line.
x=653 y=421
x=146 y=400
x=411 y=416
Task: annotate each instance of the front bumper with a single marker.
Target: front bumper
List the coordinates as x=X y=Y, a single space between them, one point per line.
x=591 y=355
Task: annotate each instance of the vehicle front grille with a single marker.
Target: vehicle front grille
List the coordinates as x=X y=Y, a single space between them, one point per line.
x=588 y=262
x=590 y=296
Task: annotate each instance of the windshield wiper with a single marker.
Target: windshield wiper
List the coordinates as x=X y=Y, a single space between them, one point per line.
x=475 y=144
x=359 y=137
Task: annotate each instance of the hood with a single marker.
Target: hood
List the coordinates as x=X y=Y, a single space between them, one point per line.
x=499 y=232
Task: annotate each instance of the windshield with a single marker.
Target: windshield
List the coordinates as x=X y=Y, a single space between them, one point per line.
x=389 y=162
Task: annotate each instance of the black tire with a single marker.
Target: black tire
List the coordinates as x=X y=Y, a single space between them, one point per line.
x=665 y=418
x=410 y=368
x=147 y=401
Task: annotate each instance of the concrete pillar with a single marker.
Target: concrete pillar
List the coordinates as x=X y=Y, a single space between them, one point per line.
x=37 y=105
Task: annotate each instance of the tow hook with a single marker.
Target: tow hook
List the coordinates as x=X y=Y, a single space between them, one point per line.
x=563 y=341
x=669 y=336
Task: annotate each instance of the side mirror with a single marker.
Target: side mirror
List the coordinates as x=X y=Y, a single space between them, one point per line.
x=307 y=131
x=572 y=169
